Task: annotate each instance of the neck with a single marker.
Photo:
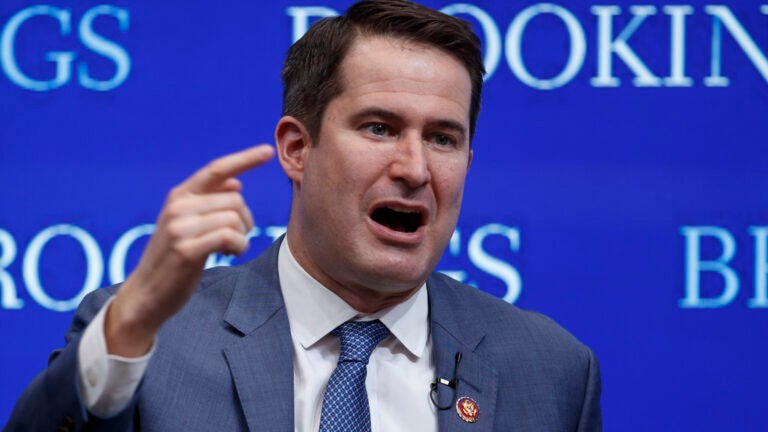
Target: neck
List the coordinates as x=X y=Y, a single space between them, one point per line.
x=360 y=297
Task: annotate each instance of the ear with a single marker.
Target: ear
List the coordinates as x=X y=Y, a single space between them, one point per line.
x=469 y=160
x=293 y=144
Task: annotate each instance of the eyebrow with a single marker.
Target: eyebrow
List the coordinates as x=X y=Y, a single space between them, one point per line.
x=393 y=117
x=376 y=112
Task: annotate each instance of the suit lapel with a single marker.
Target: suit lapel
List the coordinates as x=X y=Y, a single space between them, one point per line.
x=454 y=330
x=261 y=361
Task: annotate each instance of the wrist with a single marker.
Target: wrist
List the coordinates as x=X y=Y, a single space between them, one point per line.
x=128 y=331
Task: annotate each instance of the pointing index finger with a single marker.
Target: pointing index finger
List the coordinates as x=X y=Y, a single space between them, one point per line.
x=213 y=175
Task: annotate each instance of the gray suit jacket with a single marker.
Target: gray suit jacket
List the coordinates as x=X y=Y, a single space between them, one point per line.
x=225 y=363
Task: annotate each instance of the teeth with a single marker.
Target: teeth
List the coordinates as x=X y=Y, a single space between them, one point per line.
x=401 y=210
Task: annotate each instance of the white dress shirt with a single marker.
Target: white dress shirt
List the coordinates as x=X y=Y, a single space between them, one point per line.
x=399 y=371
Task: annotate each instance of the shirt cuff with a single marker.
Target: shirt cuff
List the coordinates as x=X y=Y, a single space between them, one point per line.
x=107 y=381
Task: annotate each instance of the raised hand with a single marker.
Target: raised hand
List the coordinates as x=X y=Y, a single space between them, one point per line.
x=204 y=214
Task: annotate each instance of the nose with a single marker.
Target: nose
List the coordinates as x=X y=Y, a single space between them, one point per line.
x=410 y=163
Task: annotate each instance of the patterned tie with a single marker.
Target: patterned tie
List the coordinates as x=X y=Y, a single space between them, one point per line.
x=345 y=404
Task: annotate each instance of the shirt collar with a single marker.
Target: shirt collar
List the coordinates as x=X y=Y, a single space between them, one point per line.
x=314 y=311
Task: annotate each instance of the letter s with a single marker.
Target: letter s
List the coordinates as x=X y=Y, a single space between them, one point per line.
x=105 y=47
x=494 y=266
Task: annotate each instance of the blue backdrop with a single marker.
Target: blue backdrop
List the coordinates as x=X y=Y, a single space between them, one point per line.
x=618 y=185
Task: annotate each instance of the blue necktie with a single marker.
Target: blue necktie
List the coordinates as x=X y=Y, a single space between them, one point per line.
x=345 y=404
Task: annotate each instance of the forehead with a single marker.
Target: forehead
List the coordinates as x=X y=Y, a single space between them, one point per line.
x=394 y=68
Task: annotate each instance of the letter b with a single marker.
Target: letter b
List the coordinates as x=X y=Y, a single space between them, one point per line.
x=694 y=265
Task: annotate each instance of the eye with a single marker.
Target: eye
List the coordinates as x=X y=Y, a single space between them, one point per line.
x=444 y=140
x=378 y=129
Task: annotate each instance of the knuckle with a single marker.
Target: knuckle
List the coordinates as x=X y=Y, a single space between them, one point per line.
x=231 y=200
x=174 y=209
x=183 y=253
x=175 y=193
x=229 y=236
x=248 y=226
x=175 y=229
x=238 y=200
x=216 y=169
x=231 y=240
x=232 y=220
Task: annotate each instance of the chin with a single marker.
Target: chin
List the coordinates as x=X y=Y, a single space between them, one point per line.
x=398 y=276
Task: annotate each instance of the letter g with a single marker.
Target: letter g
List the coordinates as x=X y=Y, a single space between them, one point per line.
x=63 y=60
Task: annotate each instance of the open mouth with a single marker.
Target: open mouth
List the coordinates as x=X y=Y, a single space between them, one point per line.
x=398 y=220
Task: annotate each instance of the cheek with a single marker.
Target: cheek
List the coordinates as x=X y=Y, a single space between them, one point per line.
x=342 y=178
x=361 y=167
x=449 y=184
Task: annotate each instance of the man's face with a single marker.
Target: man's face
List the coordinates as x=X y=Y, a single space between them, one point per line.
x=380 y=190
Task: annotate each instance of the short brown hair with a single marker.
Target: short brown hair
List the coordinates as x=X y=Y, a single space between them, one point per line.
x=311 y=77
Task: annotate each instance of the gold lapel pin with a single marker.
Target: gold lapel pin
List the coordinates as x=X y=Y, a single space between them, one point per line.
x=467 y=409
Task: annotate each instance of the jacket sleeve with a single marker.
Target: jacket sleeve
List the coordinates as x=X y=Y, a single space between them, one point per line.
x=591 y=417
x=53 y=401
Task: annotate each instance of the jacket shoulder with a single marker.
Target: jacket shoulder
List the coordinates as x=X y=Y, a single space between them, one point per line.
x=508 y=327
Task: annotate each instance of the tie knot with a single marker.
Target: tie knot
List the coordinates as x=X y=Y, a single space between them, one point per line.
x=359 y=338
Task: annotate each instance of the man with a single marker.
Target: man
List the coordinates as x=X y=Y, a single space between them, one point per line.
x=380 y=107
